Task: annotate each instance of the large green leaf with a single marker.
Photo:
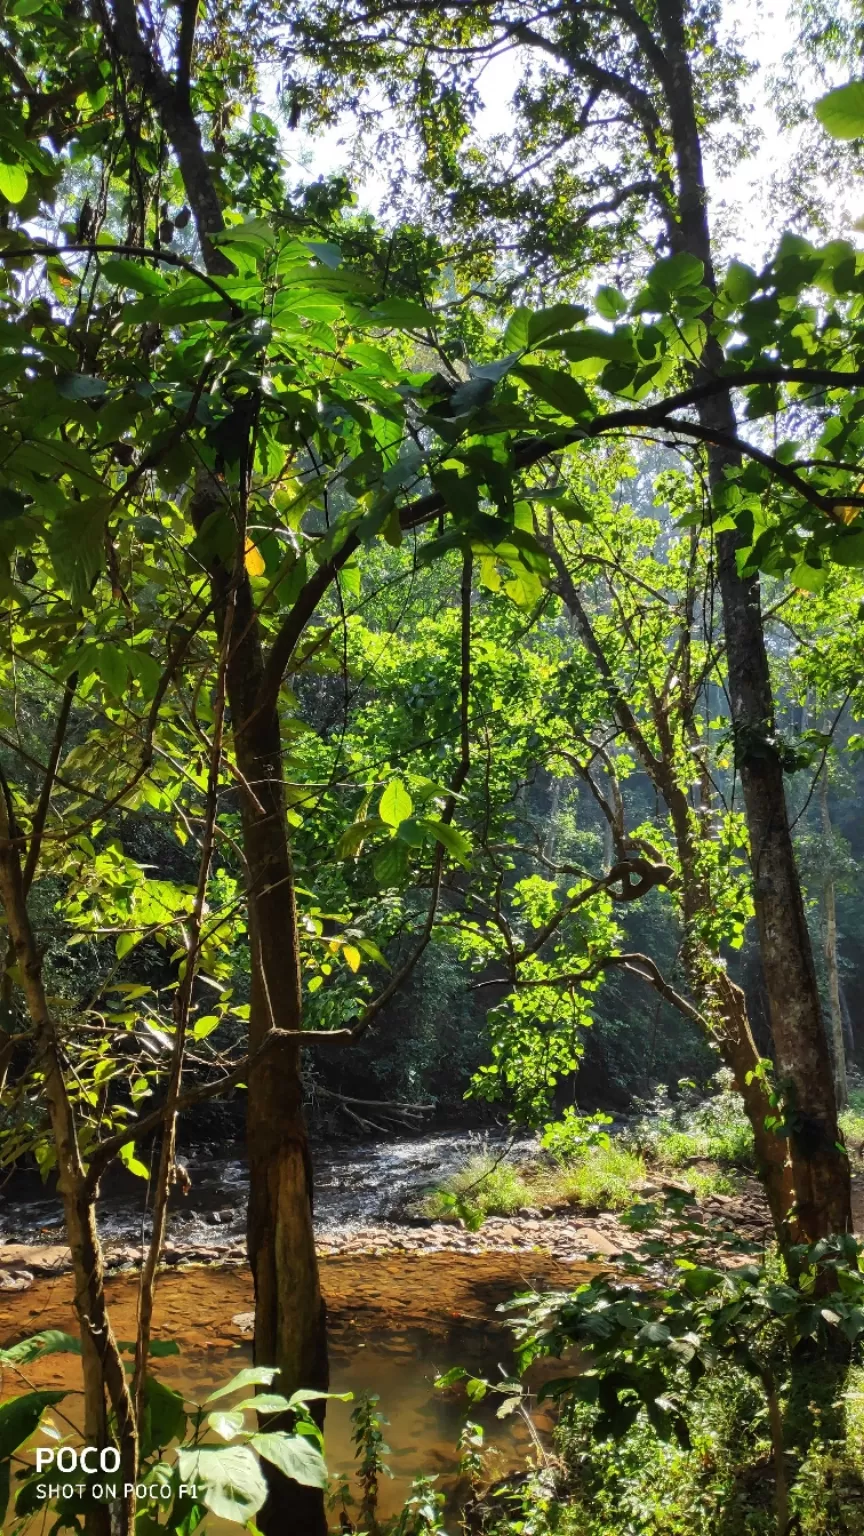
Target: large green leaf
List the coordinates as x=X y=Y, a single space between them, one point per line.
x=132 y=274
x=451 y=838
x=558 y=389
x=251 y=1376
x=13 y=182
x=75 y=545
x=229 y=1478
x=164 y=1416
x=401 y=312
x=50 y=1342
x=20 y=1416
x=841 y=112
x=396 y=804
x=80 y=386
x=295 y=1455
x=848 y=549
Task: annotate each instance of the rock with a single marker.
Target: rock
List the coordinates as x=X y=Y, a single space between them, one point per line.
x=530 y=1212
x=593 y=1241
x=42 y=1258
x=15 y=1279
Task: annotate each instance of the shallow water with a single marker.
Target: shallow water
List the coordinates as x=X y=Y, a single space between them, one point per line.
x=355 y=1184
x=395 y=1323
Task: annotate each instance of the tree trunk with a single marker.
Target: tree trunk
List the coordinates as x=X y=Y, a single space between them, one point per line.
x=838 y=1044
x=290 y=1319
x=819 y=1166
x=102 y=1366
x=722 y=1004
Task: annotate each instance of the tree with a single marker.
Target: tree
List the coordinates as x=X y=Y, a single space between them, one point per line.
x=659 y=71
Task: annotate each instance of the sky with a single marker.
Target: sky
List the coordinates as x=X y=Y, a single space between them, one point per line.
x=741 y=200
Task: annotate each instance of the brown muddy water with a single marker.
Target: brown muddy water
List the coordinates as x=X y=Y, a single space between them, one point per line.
x=394 y=1322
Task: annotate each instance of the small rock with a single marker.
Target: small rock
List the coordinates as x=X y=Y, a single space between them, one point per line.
x=15 y=1279
x=597 y=1242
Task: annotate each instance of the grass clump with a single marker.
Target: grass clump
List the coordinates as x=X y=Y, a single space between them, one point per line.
x=486 y=1185
x=603 y=1177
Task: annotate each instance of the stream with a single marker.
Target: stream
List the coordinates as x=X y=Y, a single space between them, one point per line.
x=397 y=1315
x=358 y=1186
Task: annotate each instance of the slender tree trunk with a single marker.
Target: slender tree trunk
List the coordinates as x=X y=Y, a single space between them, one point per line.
x=838 y=1044
x=290 y=1319
x=720 y=1001
x=820 y=1168
x=290 y=1329
x=101 y=1363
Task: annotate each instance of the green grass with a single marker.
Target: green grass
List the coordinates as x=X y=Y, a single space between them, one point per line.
x=482 y=1187
x=599 y=1178
x=603 y=1178
x=852 y=1126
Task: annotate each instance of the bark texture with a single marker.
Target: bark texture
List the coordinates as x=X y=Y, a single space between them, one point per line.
x=721 y=1002
x=290 y=1318
x=832 y=966
x=820 y=1172
x=101 y=1362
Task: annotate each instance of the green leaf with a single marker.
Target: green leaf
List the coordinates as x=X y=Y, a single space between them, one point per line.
x=740 y=283
x=395 y=805
x=517 y=334
x=401 y=312
x=226 y=1422
x=164 y=1416
x=252 y=1376
x=558 y=389
x=50 y=1342
x=312 y=1395
x=451 y=838
x=848 y=549
x=229 y=1477
x=132 y=274
x=675 y=274
x=133 y=1163
x=205 y=1026
x=390 y=864
x=841 y=112
x=554 y=320
x=354 y=837
x=610 y=302
x=326 y=251
x=75 y=545
x=295 y=1455
x=80 y=386
x=653 y=1333
x=700 y=1280
x=20 y=1416
x=13 y=182
x=809 y=578
x=113 y=668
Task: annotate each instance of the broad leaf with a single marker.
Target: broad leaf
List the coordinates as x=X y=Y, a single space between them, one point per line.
x=229 y=1478
x=295 y=1455
x=841 y=112
x=20 y=1416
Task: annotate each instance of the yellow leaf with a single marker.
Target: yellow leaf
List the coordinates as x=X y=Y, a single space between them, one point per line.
x=352 y=956
x=254 y=562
